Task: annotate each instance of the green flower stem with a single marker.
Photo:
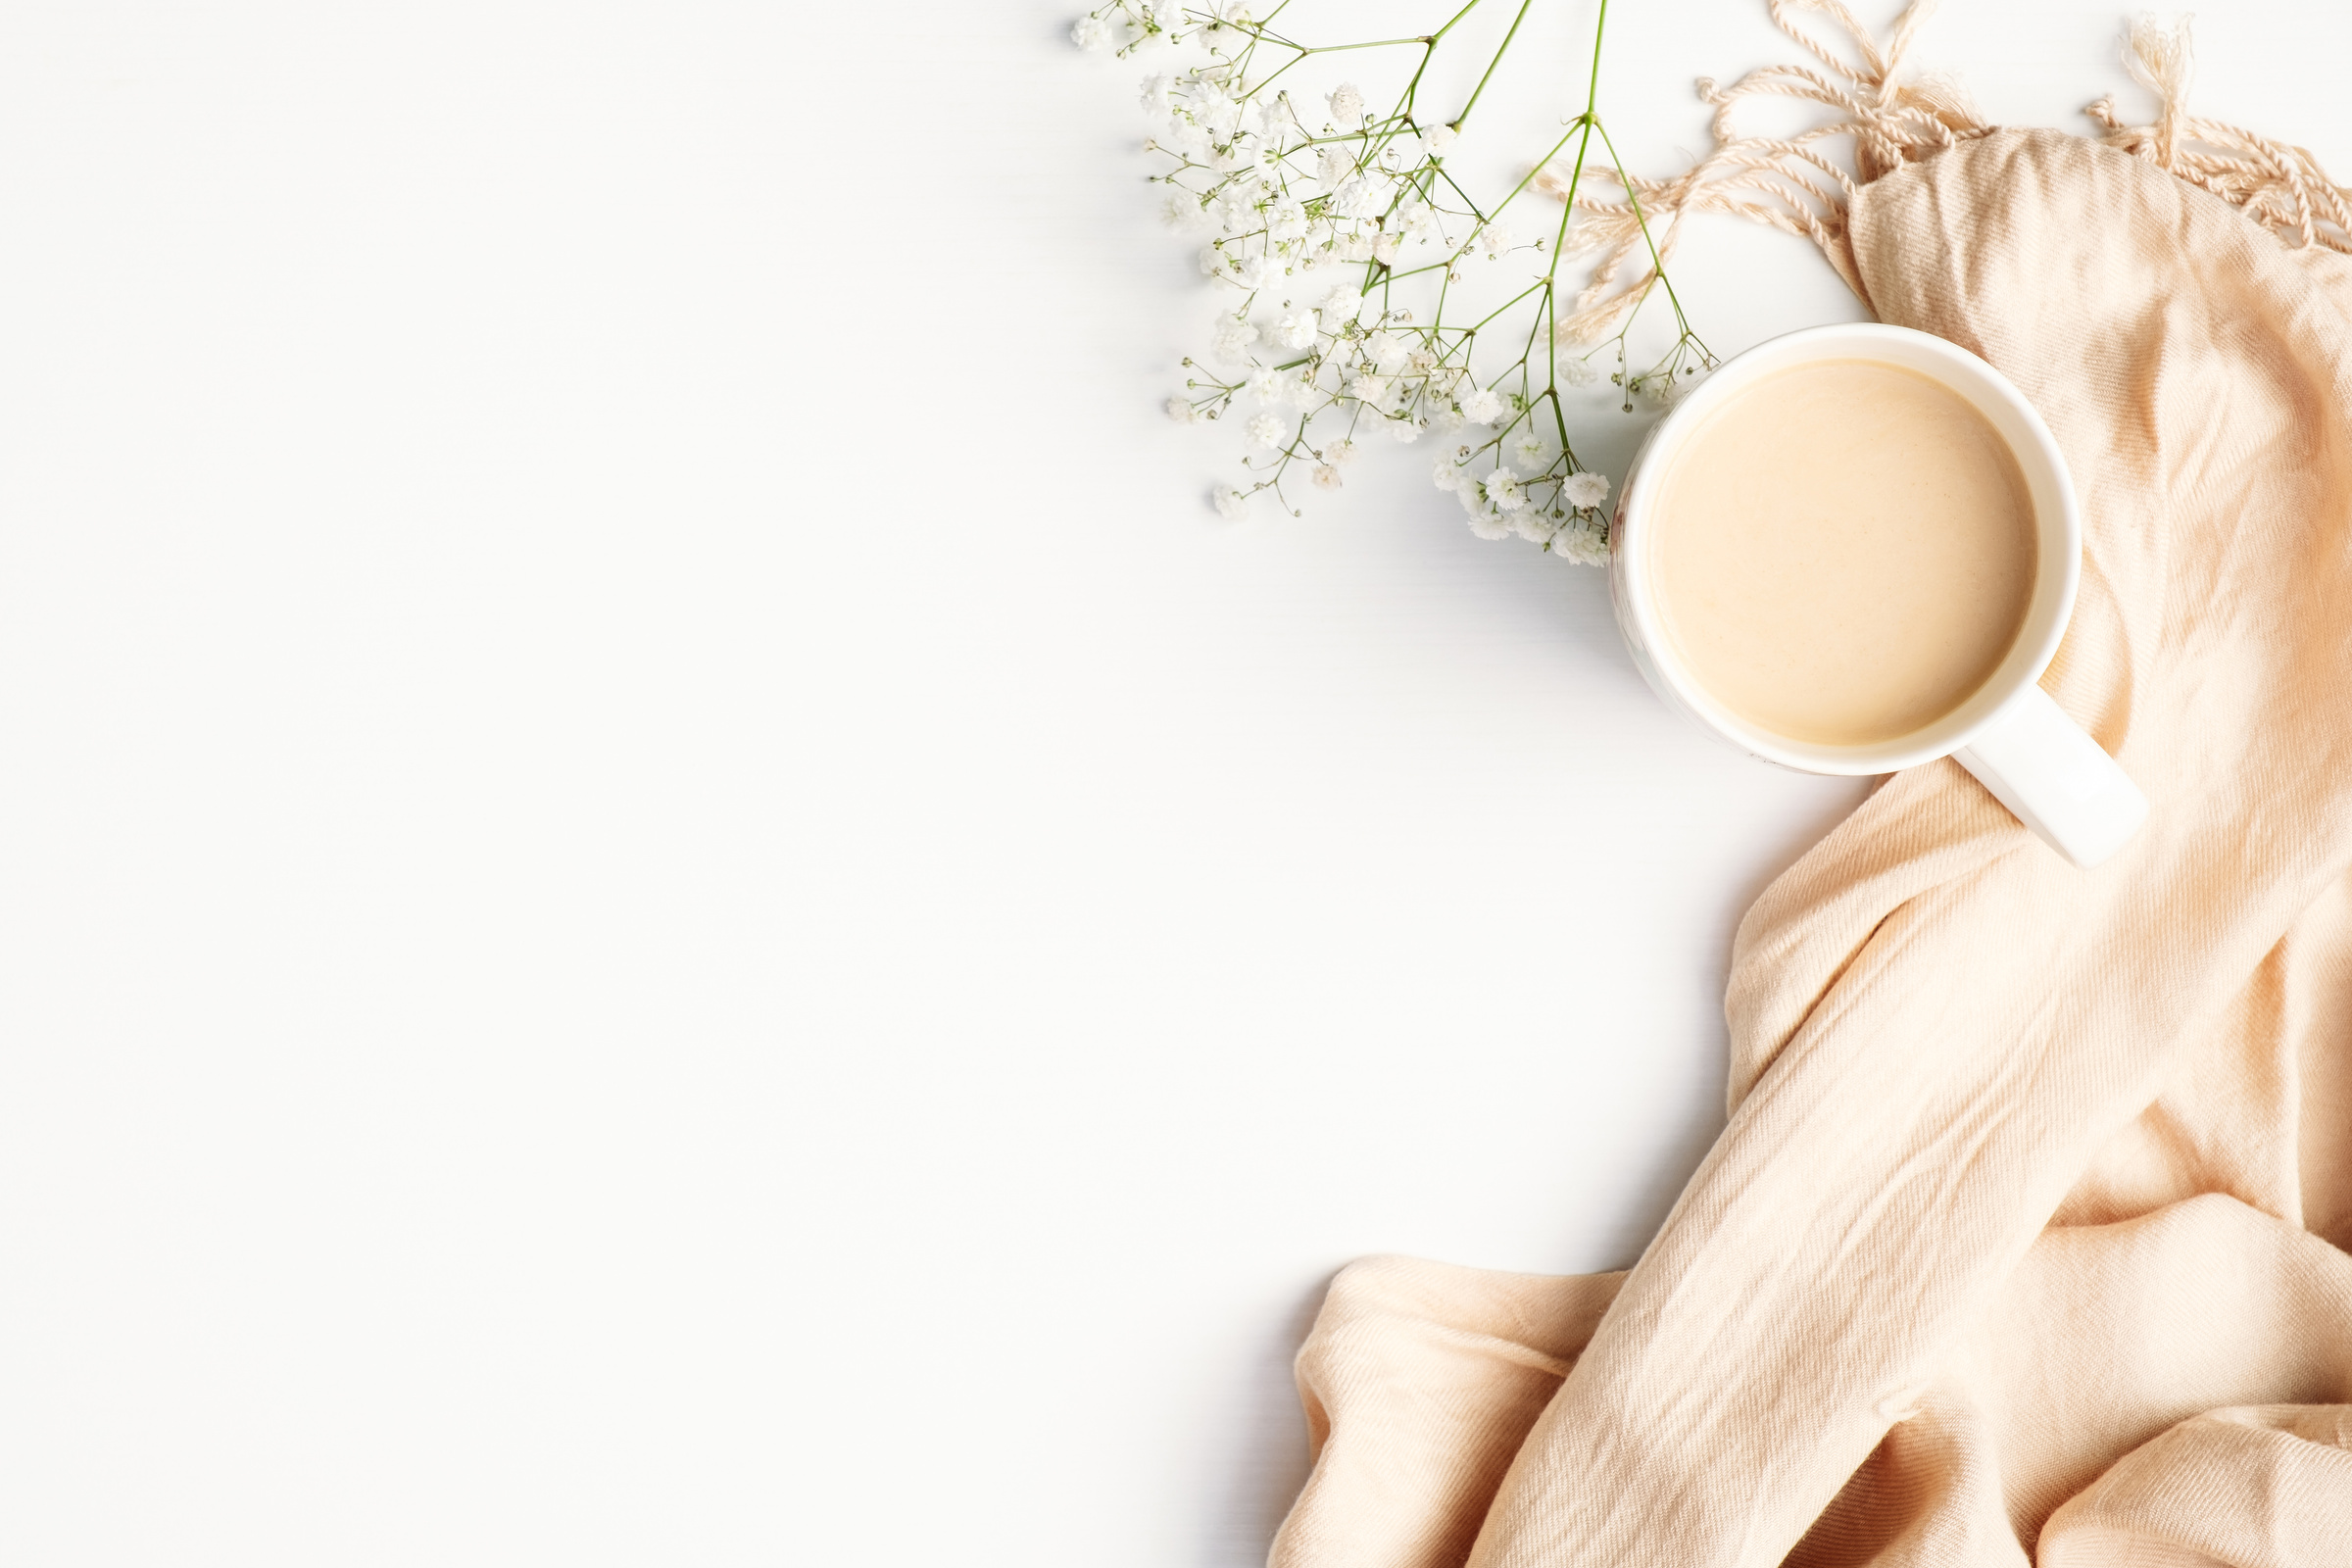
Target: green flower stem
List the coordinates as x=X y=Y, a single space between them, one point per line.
x=1463 y=117
x=1656 y=264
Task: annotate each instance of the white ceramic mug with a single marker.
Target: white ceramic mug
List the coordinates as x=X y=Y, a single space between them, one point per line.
x=2009 y=734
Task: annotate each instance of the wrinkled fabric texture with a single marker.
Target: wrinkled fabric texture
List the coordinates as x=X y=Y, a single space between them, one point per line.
x=2023 y=1240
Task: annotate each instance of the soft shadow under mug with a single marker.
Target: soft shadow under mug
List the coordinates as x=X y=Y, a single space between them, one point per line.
x=2035 y=759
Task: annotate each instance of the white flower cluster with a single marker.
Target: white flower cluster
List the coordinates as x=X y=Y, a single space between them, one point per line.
x=1325 y=220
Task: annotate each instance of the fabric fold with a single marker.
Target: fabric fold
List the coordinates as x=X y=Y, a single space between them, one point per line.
x=1859 y=1338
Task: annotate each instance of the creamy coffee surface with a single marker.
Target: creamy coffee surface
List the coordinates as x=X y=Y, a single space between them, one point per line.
x=1845 y=552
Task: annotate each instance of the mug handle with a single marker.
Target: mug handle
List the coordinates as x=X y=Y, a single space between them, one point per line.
x=2039 y=764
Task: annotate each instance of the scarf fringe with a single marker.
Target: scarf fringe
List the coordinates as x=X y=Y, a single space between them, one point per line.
x=1792 y=184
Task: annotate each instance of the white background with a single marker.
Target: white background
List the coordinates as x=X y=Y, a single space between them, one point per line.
x=668 y=897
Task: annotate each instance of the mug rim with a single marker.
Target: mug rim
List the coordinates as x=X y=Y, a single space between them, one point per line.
x=2058 y=565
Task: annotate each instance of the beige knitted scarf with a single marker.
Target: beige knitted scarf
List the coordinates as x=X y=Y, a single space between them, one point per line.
x=2022 y=1242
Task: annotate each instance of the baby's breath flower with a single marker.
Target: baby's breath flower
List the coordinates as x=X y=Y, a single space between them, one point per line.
x=1233 y=339
x=1314 y=224
x=1342 y=304
x=1363 y=196
x=1582 y=543
x=1295 y=330
x=1260 y=272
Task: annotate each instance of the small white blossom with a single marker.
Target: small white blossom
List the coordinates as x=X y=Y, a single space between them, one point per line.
x=1231 y=504
x=1339 y=452
x=1533 y=527
x=1348 y=104
x=1447 y=474
x=1370 y=388
x=1232 y=13
x=1355 y=248
x=1582 y=543
x=1286 y=219
x=1362 y=196
x=1387 y=350
x=1181 y=411
x=1384 y=248
x=1333 y=165
x=1212 y=260
x=1415 y=218
x=1090 y=32
x=1343 y=303
x=1327 y=477
x=1579 y=373
x=1447 y=421
x=1260 y=272
x=1494 y=240
x=1438 y=138
x=1585 y=489
x=1482 y=406
x=1530 y=452
x=1505 y=491
x=1267 y=384
x=1213 y=109
x=1490 y=524
x=1295 y=330
x=1266 y=430
x=1231 y=345
x=1181 y=210
x=1154 y=92
x=1662 y=392
x=1404 y=431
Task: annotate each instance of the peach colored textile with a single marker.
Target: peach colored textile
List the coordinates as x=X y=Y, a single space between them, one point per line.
x=2022 y=1242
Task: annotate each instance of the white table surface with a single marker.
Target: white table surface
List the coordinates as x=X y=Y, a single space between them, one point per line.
x=668 y=897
